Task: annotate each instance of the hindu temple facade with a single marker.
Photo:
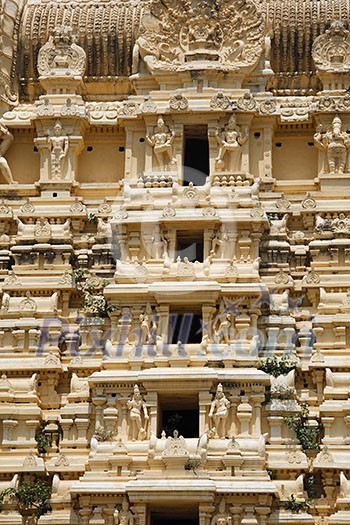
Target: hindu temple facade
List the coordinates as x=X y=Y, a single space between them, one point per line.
x=175 y=260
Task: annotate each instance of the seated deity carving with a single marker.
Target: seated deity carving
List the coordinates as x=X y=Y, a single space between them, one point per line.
x=6 y=139
x=162 y=142
x=230 y=140
x=138 y=414
x=219 y=411
x=335 y=143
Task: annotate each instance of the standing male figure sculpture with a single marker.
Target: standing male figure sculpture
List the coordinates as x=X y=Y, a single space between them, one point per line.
x=162 y=143
x=58 y=146
x=335 y=143
x=138 y=412
x=219 y=412
x=230 y=140
x=6 y=138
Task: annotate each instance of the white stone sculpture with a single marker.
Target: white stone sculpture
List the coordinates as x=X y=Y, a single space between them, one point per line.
x=335 y=143
x=19 y=385
x=334 y=299
x=279 y=226
x=124 y=516
x=104 y=229
x=79 y=385
x=331 y=50
x=287 y=488
x=174 y=35
x=162 y=142
x=6 y=139
x=230 y=140
x=175 y=446
x=279 y=302
x=282 y=386
x=219 y=412
x=221 y=517
x=61 y=56
x=223 y=333
x=344 y=486
x=138 y=414
x=58 y=147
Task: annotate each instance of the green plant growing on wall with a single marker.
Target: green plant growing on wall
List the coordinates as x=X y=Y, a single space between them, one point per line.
x=277 y=366
x=295 y=505
x=42 y=442
x=91 y=292
x=31 y=498
x=308 y=436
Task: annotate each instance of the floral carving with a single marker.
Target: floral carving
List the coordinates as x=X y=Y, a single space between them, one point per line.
x=178 y=103
x=331 y=51
x=61 y=55
x=175 y=34
x=220 y=101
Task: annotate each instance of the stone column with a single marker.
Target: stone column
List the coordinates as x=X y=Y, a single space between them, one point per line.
x=32 y=425
x=152 y=404
x=82 y=426
x=8 y=427
x=205 y=513
x=99 y=402
x=244 y=414
x=276 y=423
x=204 y=404
x=141 y=513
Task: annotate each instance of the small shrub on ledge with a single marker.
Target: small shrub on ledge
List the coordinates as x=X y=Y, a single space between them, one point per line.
x=308 y=436
x=30 y=497
x=296 y=506
x=277 y=366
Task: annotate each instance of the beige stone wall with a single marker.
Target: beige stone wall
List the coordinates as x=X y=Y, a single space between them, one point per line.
x=174 y=262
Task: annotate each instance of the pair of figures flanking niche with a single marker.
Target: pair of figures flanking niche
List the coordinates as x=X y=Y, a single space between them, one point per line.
x=229 y=139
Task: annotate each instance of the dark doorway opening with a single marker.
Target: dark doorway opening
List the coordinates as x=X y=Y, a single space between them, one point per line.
x=196 y=158
x=179 y=413
x=175 y=516
x=189 y=244
x=185 y=327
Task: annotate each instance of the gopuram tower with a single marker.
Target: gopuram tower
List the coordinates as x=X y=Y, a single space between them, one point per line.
x=174 y=262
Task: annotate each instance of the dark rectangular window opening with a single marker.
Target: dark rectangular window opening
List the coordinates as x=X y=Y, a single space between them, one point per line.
x=196 y=158
x=181 y=413
x=189 y=244
x=185 y=327
x=173 y=515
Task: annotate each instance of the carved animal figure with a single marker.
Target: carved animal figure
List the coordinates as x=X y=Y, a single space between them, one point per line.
x=78 y=385
x=288 y=487
x=279 y=302
x=279 y=226
x=333 y=298
x=344 y=486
